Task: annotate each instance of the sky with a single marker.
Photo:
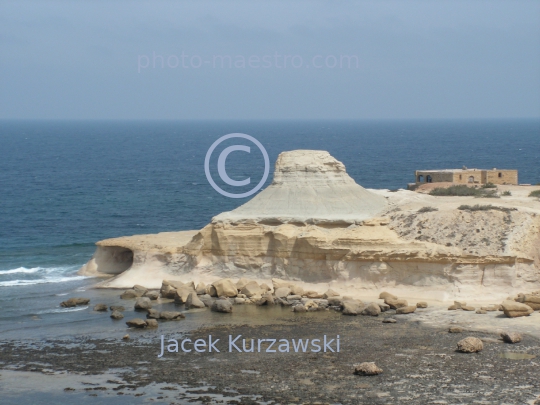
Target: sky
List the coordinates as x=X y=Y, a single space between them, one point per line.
x=269 y=59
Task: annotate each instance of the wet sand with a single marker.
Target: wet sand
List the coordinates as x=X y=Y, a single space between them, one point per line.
x=420 y=365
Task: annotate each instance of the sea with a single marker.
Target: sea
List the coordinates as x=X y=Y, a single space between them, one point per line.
x=66 y=184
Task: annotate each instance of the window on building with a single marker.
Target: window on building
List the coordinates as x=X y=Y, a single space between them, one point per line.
x=460 y=176
x=471 y=179
x=500 y=175
x=420 y=179
x=428 y=179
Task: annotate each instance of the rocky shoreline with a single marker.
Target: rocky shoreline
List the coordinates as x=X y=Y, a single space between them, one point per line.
x=418 y=364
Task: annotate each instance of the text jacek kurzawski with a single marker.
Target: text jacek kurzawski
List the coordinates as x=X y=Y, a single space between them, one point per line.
x=237 y=344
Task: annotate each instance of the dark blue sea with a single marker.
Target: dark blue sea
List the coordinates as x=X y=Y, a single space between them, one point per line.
x=65 y=185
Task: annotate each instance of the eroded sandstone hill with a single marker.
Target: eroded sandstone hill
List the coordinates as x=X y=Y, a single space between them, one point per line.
x=315 y=224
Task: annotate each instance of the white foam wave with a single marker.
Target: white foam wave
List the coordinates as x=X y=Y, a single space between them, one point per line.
x=46 y=280
x=21 y=270
x=61 y=310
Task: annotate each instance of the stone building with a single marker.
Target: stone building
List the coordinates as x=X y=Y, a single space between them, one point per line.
x=467 y=176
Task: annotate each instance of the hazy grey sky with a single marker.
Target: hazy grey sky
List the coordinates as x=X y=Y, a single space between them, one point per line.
x=289 y=59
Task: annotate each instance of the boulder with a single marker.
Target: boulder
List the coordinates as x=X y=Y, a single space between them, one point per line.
x=313 y=294
x=239 y=301
x=142 y=304
x=455 y=329
x=125 y=337
x=211 y=290
x=138 y=287
x=101 y=308
x=265 y=287
x=117 y=315
x=389 y=320
x=531 y=300
x=384 y=295
x=467 y=308
x=372 y=309
x=73 y=302
x=193 y=301
x=296 y=290
x=131 y=294
x=352 y=307
x=225 y=288
x=395 y=303
x=266 y=299
x=181 y=294
x=511 y=337
x=251 y=289
x=153 y=295
x=470 y=345
x=201 y=288
x=169 y=287
x=514 y=309
x=335 y=301
x=241 y=283
x=330 y=293
x=299 y=308
x=481 y=311
x=277 y=283
x=367 y=369
x=207 y=300
x=282 y=292
x=409 y=309
x=459 y=304
x=311 y=305
x=136 y=323
x=222 y=305
x=421 y=304
x=119 y=308
x=453 y=307
x=491 y=308
x=151 y=323
x=171 y=315
x=152 y=314
x=384 y=307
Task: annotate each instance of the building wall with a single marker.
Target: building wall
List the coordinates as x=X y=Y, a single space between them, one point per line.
x=502 y=176
x=469 y=176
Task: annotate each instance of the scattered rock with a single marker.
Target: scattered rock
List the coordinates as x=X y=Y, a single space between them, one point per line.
x=395 y=303
x=389 y=320
x=181 y=295
x=299 y=308
x=514 y=309
x=459 y=304
x=352 y=307
x=313 y=294
x=491 y=308
x=73 y=302
x=207 y=300
x=470 y=345
x=481 y=311
x=367 y=369
x=409 y=309
x=311 y=305
x=152 y=314
x=153 y=295
x=193 y=301
x=455 y=329
x=117 y=315
x=511 y=337
x=384 y=295
x=131 y=294
x=467 y=308
x=239 y=301
x=251 y=289
x=453 y=307
x=265 y=287
x=117 y=308
x=330 y=293
x=384 y=307
x=141 y=288
x=372 y=309
x=125 y=337
x=225 y=288
x=421 y=304
x=296 y=290
x=136 y=323
x=171 y=315
x=241 y=283
x=222 y=305
x=334 y=301
x=101 y=308
x=531 y=300
x=201 y=288
x=211 y=291
x=151 y=323
x=282 y=292
x=169 y=287
x=266 y=299
x=142 y=304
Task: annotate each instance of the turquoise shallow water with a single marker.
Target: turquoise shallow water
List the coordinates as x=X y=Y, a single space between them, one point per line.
x=65 y=185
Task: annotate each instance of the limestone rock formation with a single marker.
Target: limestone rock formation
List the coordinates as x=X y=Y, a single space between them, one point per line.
x=314 y=224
